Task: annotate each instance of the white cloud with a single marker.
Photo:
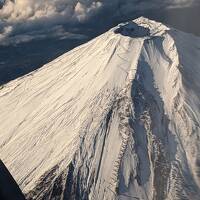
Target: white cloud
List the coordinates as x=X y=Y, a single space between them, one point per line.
x=14 y=11
x=5 y=32
x=82 y=11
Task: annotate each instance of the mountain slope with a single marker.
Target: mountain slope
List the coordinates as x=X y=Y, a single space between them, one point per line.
x=117 y=117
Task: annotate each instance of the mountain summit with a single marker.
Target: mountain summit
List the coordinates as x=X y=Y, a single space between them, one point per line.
x=116 y=118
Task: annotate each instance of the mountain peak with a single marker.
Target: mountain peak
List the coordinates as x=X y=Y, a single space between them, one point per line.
x=141 y=27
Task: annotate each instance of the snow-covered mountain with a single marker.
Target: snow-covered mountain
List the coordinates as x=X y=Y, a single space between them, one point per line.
x=116 y=118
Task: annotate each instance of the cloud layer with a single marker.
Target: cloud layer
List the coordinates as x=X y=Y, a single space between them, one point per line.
x=19 y=19
x=25 y=20
x=17 y=10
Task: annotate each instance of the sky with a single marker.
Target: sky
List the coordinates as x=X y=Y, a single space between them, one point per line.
x=26 y=20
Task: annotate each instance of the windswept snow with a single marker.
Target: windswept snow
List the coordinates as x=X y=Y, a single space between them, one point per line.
x=116 y=118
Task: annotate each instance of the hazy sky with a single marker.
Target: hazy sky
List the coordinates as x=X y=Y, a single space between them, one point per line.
x=26 y=20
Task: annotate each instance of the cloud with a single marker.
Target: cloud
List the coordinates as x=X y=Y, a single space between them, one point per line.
x=22 y=16
x=5 y=32
x=19 y=19
x=18 y=10
x=82 y=11
x=129 y=6
x=25 y=20
x=57 y=32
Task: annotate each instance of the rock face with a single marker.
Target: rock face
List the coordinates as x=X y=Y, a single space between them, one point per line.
x=116 y=118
